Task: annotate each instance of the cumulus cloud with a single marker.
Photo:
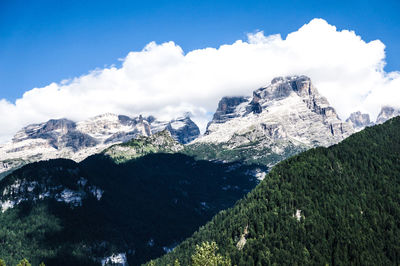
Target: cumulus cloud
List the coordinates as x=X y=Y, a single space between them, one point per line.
x=164 y=81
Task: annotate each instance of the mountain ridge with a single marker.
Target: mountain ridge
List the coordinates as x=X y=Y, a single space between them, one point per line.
x=63 y=138
x=281 y=119
x=335 y=205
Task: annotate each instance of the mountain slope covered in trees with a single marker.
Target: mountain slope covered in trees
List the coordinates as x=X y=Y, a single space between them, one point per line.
x=66 y=213
x=327 y=206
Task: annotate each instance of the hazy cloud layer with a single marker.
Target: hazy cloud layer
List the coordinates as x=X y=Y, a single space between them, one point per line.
x=163 y=81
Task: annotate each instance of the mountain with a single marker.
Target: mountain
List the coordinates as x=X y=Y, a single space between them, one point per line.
x=160 y=142
x=338 y=206
x=386 y=113
x=131 y=203
x=136 y=187
x=64 y=138
x=359 y=121
x=284 y=118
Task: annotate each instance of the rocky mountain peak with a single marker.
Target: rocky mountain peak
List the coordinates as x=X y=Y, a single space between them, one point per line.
x=359 y=120
x=228 y=109
x=386 y=113
x=282 y=87
x=63 y=138
x=183 y=129
x=57 y=133
x=289 y=112
x=45 y=130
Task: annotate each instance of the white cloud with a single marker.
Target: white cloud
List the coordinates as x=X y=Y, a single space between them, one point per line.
x=164 y=81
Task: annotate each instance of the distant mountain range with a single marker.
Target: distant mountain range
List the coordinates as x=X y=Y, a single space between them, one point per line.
x=279 y=120
x=119 y=189
x=359 y=121
x=63 y=138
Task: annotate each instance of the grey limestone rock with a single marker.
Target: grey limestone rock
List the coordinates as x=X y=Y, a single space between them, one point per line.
x=183 y=130
x=359 y=120
x=386 y=113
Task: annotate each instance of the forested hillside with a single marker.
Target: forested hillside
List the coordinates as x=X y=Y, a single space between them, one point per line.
x=64 y=213
x=327 y=206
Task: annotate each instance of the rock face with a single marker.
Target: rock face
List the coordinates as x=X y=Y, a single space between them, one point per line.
x=64 y=138
x=359 y=120
x=227 y=108
x=183 y=130
x=287 y=114
x=386 y=113
x=48 y=186
x=160 y=142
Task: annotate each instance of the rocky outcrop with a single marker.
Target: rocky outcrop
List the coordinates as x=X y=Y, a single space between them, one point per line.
x=282 y=88
x=386 y=113
x=183 y=130
x=52 y=183
x=289 y=113
x=227 y=108
x=359 y=121
x=58 y=133
x=161 y=141
x=63 y=138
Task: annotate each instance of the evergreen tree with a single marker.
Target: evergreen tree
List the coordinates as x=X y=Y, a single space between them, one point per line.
x=327 y=206
x=206 y=255
x=24 y=262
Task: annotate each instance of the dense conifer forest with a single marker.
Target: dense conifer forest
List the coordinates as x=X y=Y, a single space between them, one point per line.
x=149 y=205
x=327 y=206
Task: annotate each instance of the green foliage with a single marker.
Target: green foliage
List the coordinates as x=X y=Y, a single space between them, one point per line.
x=161 y=142
x=206 y=255
x=164 y=197
x=327 y=206
x=2 y=262
x=250 y=153
x=24 y=262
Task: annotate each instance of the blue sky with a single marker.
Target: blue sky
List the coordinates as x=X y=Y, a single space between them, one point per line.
x=48 y=41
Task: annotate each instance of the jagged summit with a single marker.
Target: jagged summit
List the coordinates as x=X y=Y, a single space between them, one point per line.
x=359 y=120
x=282 y=87
x=183 y=129
x=227 y=108
x=386 y=113
x=63 y=138
x=289 y=112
